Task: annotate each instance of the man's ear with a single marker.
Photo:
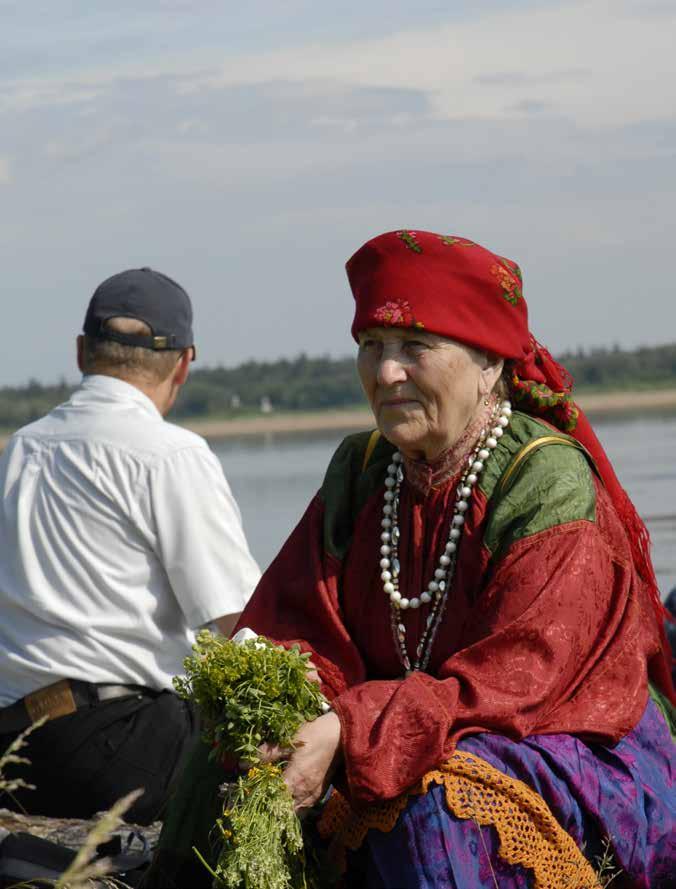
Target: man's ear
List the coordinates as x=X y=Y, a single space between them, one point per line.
x=490 y=374
x=79 y=345
x=182 y=367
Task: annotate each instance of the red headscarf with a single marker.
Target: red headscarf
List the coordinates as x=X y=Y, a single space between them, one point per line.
x=455 y=288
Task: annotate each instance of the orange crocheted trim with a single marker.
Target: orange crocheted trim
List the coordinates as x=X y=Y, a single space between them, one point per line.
x=528 y=833
x=339 y=822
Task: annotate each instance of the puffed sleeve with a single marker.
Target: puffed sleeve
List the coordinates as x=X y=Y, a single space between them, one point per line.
x=297 y=602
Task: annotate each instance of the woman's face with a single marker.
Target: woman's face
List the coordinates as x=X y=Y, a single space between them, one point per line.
x=423 y=389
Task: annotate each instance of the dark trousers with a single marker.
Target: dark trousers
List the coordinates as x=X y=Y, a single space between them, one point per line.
x=84 y=762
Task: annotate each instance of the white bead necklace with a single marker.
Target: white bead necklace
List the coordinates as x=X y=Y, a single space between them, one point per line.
x=437 y=589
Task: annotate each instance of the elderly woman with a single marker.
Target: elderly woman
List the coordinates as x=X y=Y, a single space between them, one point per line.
x=475 y=589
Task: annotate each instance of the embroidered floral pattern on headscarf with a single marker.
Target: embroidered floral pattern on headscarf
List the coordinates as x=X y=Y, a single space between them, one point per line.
x=542 y=387
x=396 y=314
x=541 y=401
x=409 y=239
x=451 y=241
x=509 y=279
x=512 y=266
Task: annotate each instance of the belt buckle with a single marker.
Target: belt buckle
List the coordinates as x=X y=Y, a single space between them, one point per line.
x=52 y=701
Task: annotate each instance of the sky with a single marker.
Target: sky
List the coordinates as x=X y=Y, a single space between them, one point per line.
x=247 y=150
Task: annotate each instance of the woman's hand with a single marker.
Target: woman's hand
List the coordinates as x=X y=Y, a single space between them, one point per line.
x=311 y=764
x=273 y=752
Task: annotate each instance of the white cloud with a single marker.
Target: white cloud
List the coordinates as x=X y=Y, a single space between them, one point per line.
x=5 y=177
x=596 y=62
x=24 y=95
x=590 y=61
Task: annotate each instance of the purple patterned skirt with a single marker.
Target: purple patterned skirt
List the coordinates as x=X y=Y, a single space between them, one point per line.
x=624 y=793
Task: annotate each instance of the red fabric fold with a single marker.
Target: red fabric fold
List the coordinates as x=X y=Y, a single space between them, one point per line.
x=297 y=602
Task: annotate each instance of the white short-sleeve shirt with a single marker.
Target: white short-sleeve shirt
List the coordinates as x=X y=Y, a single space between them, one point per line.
x=119 y=536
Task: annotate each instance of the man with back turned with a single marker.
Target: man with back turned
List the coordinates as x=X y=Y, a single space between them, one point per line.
x=119 y=536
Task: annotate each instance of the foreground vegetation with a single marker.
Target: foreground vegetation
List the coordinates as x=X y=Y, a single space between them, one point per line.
x=306 y=384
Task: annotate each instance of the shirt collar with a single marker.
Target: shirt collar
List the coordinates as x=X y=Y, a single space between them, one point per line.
x=100 y=387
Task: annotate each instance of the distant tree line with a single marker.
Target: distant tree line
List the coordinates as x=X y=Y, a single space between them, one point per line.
x=616 y=368
x=297 y=384
x=305 y=384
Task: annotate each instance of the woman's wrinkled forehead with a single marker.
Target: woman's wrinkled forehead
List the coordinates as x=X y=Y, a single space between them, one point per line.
x=402 y=333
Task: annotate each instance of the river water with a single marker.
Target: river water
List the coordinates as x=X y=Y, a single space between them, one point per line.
x=273 y=478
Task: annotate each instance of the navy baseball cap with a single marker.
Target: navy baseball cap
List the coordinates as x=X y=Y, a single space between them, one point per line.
x=148 y=296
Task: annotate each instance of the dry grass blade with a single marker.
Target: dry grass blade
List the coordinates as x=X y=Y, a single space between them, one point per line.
x=470 y=796
x=607 y=869
x=84 y=868
x=11 y=757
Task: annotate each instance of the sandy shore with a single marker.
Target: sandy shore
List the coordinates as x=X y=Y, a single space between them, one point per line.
x=599 y=404
x=628 y=402
x=317 y=421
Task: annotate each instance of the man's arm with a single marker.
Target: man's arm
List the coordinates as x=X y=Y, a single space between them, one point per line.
x=226 y=624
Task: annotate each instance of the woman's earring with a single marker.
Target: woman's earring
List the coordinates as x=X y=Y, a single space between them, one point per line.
x=486 y=402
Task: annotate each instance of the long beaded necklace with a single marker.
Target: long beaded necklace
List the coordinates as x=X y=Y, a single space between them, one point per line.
x=437 y=589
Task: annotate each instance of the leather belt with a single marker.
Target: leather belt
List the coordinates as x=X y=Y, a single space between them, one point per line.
x=61 y=699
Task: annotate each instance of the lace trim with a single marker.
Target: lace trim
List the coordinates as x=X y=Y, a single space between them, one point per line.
x=425 y=477
x=529 y=834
